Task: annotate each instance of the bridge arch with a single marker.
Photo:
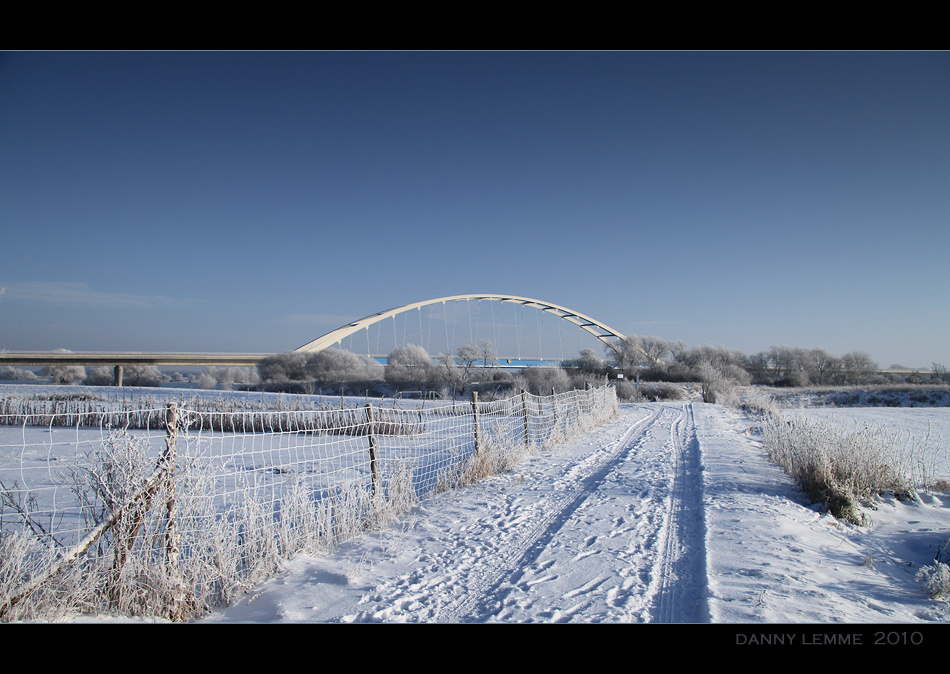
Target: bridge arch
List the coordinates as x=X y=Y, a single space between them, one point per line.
x=602 y=332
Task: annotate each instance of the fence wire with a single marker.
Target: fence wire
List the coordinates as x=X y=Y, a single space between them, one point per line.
x=105 y=508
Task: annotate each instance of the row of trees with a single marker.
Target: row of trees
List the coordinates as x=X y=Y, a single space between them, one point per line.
x=103 y=375
x=308 y=372
x=134 y=375
x=653 y=358
x=409 y=367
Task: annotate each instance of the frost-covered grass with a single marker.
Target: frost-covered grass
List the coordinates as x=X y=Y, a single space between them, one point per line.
x=935 y=580
x=881 y=395
x=837 y=467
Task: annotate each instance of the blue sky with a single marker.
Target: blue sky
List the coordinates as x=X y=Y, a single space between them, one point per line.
x=250 y=202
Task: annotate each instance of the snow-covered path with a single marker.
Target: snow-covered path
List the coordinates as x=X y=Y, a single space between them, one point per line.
x=607 y=529
x=668 y=513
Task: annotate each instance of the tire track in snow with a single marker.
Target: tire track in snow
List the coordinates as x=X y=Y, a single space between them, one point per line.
x=679 y=585
x=491 y=578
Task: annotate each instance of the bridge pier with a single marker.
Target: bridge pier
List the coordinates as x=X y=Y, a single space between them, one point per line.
x=117 y=371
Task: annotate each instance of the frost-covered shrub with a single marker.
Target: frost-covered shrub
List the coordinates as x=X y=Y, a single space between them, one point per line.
x=225 y=377
x=721 y=383
x=659 y=391
x=309 y=370
x=102 y=375
x=338 y=366
x=648 y=392
x=757 y=401
x=16 y=374
x=409 y=366
x=65 y=374
x=283 y=368
x=142 y=375
x=587 y=364
x=627 y=392
x=542 y=380
x=935 y=580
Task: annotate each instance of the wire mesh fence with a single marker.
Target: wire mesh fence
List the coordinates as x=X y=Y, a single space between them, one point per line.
x=167 y=511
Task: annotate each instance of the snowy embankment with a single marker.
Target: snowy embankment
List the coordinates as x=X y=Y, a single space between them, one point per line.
x=668 y=513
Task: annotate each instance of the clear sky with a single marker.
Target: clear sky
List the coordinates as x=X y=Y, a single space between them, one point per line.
x=250 y=202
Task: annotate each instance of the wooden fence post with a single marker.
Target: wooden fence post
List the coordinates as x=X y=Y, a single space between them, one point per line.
x=373 y=449
x=524 y=414
x=172 y=537
x=475 y=415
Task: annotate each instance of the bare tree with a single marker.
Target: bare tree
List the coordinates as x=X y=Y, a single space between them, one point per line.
x=940 y=372
x=858 y=367
x=758 y=367
x=654 y=348
x=478 y=362
x=625 y=353
x=681 y=353
x=819 y=364
x=449 y=374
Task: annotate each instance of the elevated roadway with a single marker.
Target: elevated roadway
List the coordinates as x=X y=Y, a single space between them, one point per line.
x=93 y=358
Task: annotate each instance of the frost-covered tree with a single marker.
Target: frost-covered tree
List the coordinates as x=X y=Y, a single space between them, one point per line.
x=101 y=375
x=322 y=368
x=718 y=385
x=141 y=375
x=64 y=374
x=339 y=366
x=16 y=374
x=283 y=368
x=409 y=366
x=782 y=361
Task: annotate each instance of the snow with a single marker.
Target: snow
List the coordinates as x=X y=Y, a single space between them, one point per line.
x=669 y=513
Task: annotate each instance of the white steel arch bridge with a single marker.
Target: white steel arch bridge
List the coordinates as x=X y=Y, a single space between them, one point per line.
x=426 y=323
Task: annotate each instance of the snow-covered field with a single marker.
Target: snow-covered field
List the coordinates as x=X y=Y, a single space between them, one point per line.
x=668 y=513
